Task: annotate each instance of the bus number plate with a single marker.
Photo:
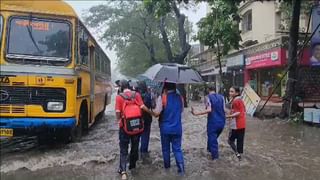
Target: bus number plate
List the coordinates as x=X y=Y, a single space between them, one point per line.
x=6 y=132
x=4 y=79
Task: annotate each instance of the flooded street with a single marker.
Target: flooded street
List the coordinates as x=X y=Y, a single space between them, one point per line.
x=274 y=149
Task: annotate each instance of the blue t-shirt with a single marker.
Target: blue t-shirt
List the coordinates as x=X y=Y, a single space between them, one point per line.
x=217 y=115
x=170 y=122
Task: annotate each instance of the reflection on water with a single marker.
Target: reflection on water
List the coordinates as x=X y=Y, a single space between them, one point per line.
x=273 y=150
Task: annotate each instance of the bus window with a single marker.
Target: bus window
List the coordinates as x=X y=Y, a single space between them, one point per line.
x=1 y=27
x=103 y=64
x=108 y=68
x=39 y=39
x=97 y=62
x=83 y=46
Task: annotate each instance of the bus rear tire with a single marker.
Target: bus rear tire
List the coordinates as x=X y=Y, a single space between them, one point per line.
x=101 y=114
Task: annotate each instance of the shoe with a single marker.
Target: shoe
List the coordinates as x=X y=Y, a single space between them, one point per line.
x=238 y=156
x=124 y=175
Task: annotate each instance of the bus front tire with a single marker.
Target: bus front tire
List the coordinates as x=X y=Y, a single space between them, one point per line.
x=76 y=131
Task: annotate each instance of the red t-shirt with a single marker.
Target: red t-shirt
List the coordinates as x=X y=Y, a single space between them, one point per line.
x=238 y=106
x=120 y=100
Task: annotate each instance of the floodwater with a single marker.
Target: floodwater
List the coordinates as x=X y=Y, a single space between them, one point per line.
x=274 y=149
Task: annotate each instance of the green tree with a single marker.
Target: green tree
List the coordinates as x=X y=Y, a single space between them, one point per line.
x=286 y=12
x=133 y=33
x=290 y=93
x=220 y=29
x=292 y=10
x=161 y=9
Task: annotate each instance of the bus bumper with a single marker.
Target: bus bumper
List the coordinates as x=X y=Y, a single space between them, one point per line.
x=36 y=125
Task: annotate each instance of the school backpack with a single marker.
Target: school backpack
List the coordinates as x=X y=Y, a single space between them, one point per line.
x=131 y=115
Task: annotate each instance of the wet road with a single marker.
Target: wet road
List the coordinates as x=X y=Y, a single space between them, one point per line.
x=274 y=149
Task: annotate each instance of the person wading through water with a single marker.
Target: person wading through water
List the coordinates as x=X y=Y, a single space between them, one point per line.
x=170 y=107
x=215 y=120
x=147 y=119
x=237 y=118
x=128 y=112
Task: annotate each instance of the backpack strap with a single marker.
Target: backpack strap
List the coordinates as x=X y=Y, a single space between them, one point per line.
x=133 y=95
x=164 y=99
x=124 y=96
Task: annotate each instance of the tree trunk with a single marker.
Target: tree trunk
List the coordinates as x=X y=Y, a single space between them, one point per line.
x=184 y=45
x=165 y=39
x=290 y=102
x=151 y=48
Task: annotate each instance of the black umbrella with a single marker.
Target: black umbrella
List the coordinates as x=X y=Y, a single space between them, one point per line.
x=174 y=73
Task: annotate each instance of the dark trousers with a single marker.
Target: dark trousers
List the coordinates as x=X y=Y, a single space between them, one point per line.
x=212 y=144
x=145 y=136
x=125 y=140
x=236 y=134
x=174 y=141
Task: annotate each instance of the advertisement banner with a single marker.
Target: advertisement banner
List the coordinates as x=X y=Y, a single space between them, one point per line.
x=315 y=41
x=251 y=99
x=272 y=58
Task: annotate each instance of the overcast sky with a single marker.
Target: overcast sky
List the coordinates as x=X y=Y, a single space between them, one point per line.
x=194 y=15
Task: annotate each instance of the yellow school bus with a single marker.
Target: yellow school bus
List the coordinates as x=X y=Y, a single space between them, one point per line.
x=54 y=76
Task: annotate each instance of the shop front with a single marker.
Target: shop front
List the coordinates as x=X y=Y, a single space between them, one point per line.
x=264 y=70
x=213 y=76
x=235 y=70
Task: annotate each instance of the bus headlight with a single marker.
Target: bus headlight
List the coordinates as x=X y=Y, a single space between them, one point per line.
x=55 y=106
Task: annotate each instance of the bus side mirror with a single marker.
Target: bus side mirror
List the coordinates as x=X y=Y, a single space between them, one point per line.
x=84 y=48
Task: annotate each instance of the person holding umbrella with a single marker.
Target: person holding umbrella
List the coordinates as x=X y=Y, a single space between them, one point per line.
x=216 y=120
x=169 y=108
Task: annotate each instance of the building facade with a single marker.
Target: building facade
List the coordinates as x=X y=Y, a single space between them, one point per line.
x=263 y=59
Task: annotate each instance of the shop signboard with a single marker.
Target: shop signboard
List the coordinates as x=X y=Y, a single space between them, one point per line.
x=315 y=41
x=215 y=71
x=271 y=58
x=251 y=99
x=235 y=61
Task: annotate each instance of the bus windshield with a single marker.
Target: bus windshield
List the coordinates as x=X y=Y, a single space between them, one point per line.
x=38 y=39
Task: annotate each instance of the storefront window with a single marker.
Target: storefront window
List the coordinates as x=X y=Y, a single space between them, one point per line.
x=268 y=81
x=254 y=81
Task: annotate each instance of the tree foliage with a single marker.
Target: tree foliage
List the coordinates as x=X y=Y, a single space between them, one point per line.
x=161 y=9
x=286 y=11
x=220 y=26
x=133 y=33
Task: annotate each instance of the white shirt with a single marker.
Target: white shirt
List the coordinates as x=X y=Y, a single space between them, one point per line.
x=159 y=105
